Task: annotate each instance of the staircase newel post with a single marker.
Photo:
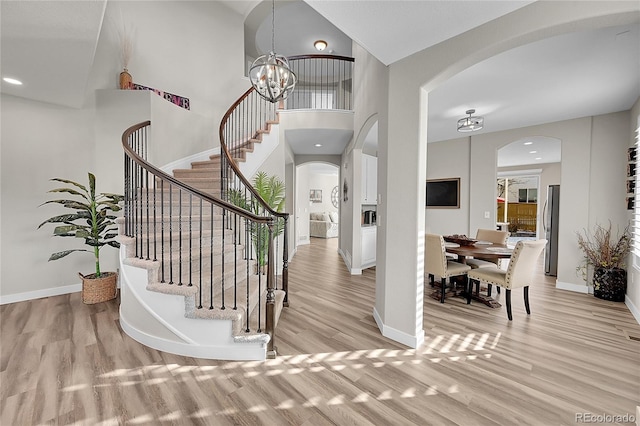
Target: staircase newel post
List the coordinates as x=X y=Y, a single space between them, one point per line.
x=271 y=299
x=285 y=262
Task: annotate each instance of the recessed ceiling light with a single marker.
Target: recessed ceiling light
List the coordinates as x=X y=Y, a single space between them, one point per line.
x=318 y=145
x=538 y=158
x=528 y=143
x=320 y=45
x=12 y=81
x=533 y=152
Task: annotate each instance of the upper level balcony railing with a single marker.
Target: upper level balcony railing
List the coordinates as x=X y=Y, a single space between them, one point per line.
x=324 y=82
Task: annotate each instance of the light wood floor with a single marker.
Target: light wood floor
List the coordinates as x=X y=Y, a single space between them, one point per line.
x=63 y=362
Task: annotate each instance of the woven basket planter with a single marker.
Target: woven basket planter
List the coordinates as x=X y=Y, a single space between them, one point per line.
x=96 y=290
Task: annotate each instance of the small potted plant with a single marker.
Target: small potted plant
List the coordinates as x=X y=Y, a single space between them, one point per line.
x=94 y=222
x=607 y=255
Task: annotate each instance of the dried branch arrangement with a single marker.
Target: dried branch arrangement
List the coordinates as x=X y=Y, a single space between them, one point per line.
x=602 y=250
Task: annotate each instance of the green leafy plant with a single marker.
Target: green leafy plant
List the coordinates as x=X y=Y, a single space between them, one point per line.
x=92 y=220
x=272 y=190
x=601 y=249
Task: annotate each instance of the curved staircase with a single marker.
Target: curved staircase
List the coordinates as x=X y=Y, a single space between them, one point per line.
x=191 y=252
x=193 y=242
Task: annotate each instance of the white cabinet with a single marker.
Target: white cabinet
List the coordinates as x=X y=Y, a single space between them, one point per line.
x=368 y=246
x=369 y=179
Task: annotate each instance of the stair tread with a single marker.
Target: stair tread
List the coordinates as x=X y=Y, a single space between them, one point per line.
x=230 y=277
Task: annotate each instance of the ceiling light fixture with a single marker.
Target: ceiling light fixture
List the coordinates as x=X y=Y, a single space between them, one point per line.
x=12 y=81
x=270 y=74
x=533 y=152
x=470 y=124
x=320 y=45
x=528 y=143
x=318 y=145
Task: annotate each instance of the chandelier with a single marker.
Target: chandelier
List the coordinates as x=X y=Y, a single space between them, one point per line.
x=470 y=124
x=270 y=74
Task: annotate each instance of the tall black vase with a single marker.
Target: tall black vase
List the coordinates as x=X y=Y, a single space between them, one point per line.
x=610 y=284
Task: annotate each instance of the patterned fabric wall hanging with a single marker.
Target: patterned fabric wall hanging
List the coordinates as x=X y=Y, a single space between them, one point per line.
x=180 y=101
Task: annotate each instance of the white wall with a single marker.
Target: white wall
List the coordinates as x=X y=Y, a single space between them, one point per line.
x=42 y=141
x=325 y=183
x=302 y=204
x=592 y=179
x=402 y=155
x=633 y=278
x=187 y=48
x=449 y=159
x=370 y=106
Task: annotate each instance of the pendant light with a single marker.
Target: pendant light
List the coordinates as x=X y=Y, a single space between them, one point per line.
x=270 y=74
x=470 y=124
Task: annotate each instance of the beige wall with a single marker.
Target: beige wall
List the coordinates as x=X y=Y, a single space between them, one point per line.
x=449 y=159
x=592 y=175
x=402 y=154
x=175 y=51
x=369 y=105
x=633 y=279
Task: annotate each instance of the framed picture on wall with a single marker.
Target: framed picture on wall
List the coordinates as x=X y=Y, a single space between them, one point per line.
x=443 y=193
x=315 y=195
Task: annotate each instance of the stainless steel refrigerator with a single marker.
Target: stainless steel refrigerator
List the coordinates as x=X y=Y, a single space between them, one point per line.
x=550 y=218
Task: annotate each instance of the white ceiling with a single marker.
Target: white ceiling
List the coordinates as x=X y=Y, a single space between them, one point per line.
x=560 y=78
x=331 y=141
x=530 y=150
x=51 y=45
x=394 y=29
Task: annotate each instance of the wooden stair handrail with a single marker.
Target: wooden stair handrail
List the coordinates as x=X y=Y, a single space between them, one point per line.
x=157 y=172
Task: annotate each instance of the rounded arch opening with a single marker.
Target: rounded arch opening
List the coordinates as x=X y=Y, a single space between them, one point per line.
x=317 y=201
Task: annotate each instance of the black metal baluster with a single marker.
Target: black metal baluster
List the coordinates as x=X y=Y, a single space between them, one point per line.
x=246 y=256
x=179 y=236
x=190 y=240
x=162 y=280
x=224 y=213
x=200 y=258
x=170 y=233
x=146 y=177
x=235 y=263
x=211 y=248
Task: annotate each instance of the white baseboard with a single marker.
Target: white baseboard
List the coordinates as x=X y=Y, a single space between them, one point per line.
x=39 y=294
x=577 y=288
x=397 y=335
x=633 y=308
x=347 y=262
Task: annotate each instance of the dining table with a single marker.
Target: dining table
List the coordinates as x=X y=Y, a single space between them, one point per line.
x=482 y=250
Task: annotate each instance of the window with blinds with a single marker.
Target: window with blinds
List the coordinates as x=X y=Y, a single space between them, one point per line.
x=633 y=163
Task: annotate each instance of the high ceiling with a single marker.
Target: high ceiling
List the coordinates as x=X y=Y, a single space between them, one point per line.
x=569 y=76
x=560 y=78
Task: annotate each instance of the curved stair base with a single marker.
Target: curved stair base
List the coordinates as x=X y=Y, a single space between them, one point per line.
x=158 y=320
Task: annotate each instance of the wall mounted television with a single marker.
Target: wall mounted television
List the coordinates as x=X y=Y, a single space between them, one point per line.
x=443 y=193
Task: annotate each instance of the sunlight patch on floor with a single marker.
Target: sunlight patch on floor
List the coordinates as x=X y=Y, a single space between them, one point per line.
x=437 y=349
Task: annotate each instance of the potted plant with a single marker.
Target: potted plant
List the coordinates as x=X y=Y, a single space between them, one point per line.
x=607 y=255
x=272 y=190
x=94 y=222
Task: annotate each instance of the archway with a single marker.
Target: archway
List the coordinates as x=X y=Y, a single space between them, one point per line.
x=525 y=169
x=399 y=286
x=317 y=201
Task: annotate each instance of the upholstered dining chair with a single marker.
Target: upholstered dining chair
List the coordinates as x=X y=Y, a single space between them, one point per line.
x=520 y=272
x=437 y=264
x=492 y=236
